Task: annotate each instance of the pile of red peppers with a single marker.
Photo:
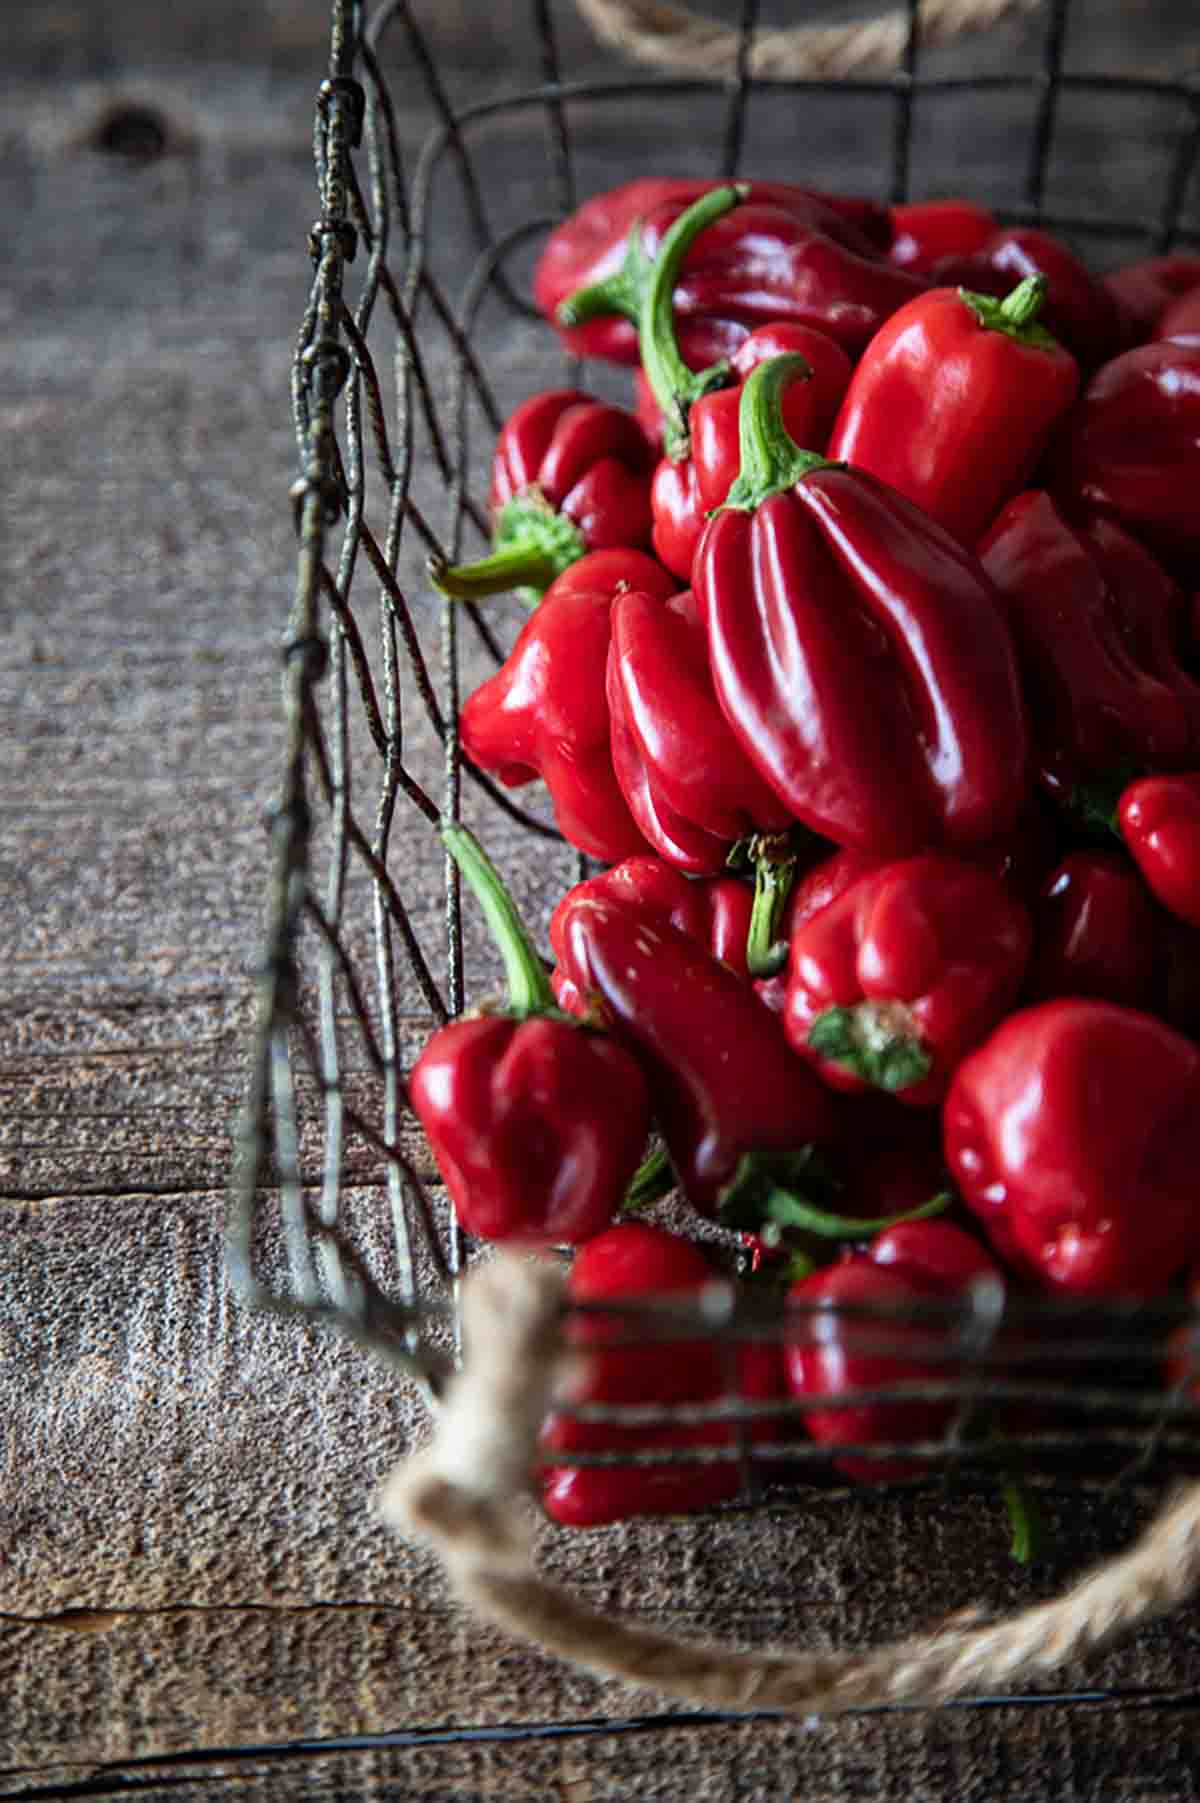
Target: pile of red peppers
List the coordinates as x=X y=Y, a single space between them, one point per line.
x=864 y=655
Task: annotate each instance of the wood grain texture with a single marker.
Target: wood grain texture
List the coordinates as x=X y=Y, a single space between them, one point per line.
x=189 y=1556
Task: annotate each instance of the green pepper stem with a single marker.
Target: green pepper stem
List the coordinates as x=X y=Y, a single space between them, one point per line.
x=529 y=990
x=877 y=1041
x=652 y=1180
x=1016 y=314
x=675 y=386
x=766 y=951
x=534 y=544
x=618 y=293
x=770 y=458
x=790 y=1210
x=1024 y=1520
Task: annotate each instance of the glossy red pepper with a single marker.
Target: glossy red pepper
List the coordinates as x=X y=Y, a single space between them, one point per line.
x=860 y=654
x=1106 y=688
x=915 y=1264
x=954 y=400
x=1096 y=933
x=1180 y=322
x=537 y=1125
x=821 y=884
x=1144 y=290
x=1080 y=311
x=628 y=1262
x=725 y=1083
x=714 y=912
x=570 y=475
x=1073 y=1133
x=686 y=780
x=544 y=712
x=1131 y=449
x=925 y=230
x=786 y=254
x=903 y=973
x=1159 y=818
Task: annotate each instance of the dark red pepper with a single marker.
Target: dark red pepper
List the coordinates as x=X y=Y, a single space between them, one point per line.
x=903 y=973
x=786 y=254
x=537 y=1124
x=544 y=712
x=1080 y=311
x=1180 y=322
x=925 y=230
x=715 y=913
x=860 y=654
x=570 y=475
x=1159 y=819
x=954 y=400
x=812 y=891
x=688 y=785
x=629 y=1262
x=1096 y=622
x=1144 y=290
x=1131 y=449
x=725 y=1082
x=1073 y=1133
x=1096 y=932
x=832 y=1352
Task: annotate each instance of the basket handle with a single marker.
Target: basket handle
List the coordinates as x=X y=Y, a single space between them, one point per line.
x=674 y=38
x=467 y=1494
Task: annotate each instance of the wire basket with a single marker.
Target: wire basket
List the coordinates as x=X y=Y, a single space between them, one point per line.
x=408 y=356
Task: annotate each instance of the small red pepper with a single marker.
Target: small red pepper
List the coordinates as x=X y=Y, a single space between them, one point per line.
x=633 y=1261
x=954 y=400
x=537 y=1124
x=544 y=712
x=1131 y=449
x=925 y=230
x=914 y=1264
x=684 y=776
x=715 y=913
x=724 y=1081
x=1072 y=1133
x=903 y=973
x=570 y=475
x=1144 y=290
x=860 y=654
x=1096 y=933
x=1107 y=691
x=1180 y=322
x=1159 y=818
x=1080 y=311
x=811 y=892
x=786 y=254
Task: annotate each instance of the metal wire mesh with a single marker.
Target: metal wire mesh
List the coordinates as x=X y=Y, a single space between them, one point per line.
x=336 y=1213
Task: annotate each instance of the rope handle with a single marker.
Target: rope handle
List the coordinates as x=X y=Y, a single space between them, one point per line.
x=687 y=43
x=468 y=1495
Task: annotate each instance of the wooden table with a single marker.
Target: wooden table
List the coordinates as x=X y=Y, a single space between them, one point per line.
x=195 y=1597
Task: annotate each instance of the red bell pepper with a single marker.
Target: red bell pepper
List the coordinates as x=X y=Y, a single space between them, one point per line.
x=901 y=975
x=860 y=654
x=1107 y=691
x=714 y=912
x=544 y=712
x=1180 y=322
x=1144 y=290
x=537 y=1124
x=786 y=254
x=954 y=400
x=925 y=230
x=1079 y=310
x=811 y=892
x=1096 y=933
x=1073 y=1134
x=837 y=1347
x=687 y=783
x=1131 y=449
x=628 y=1262
x=725 y=1083
x=570 y=475
x=1159 y=819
